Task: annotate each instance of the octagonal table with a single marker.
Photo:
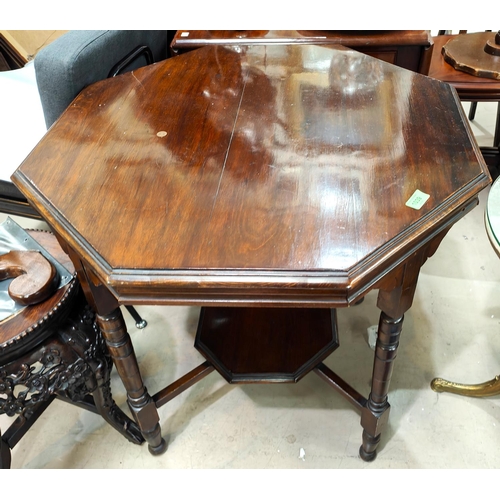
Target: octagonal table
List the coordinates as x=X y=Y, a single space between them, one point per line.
x=268 y=184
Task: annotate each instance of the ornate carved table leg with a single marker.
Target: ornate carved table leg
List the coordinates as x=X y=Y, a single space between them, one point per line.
x=84 y=337
x=71 y=363
x=141 y=404
x=485 y=389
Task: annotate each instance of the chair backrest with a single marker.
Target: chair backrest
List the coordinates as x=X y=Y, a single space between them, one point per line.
x=81 y=57
x=32 y=98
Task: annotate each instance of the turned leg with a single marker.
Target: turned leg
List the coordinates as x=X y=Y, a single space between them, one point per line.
x=396 y=292
x=140 y=402
x=375 y=414
x=112 y=325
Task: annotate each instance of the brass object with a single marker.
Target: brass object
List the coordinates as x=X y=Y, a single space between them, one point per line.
x=485 y=389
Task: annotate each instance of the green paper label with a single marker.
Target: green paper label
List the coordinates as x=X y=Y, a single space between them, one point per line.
x=417 y=200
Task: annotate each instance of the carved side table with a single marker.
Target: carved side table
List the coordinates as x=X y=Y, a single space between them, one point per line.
x=54 y=349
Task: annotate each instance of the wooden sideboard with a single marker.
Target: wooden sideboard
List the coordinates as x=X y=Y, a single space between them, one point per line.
x=406 y=49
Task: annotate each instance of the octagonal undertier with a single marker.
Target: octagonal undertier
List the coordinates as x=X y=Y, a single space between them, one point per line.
x=266 y=344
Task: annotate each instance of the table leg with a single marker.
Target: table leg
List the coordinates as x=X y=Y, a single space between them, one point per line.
x=375 y=414
x=395 y=297
x=140 y=402
x=114 y=330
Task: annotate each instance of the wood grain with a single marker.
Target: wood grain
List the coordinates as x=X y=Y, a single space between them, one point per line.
x=34 y=276
x=268 y=174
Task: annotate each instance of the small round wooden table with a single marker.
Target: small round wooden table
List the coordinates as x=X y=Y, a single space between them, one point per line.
x=492 y=223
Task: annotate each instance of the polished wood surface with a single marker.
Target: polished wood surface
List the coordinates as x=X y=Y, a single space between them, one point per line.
x=261 y=345
x=406 y=48
x=253 y=176
x=34 y=277
x=354 y=38
x=276 y=176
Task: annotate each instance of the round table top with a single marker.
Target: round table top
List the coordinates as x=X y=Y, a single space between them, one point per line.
x=492 y=216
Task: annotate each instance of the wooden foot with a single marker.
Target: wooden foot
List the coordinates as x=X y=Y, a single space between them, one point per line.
x=485 y=389
x=162 y=447
x=140 y=402
x=368 y=450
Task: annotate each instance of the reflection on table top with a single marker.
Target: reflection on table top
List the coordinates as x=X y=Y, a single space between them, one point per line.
x=283 y=164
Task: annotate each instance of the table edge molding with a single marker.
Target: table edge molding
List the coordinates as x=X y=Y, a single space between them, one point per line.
x=325 y=288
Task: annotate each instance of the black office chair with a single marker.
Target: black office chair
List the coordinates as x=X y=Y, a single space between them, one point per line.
x=66 y=66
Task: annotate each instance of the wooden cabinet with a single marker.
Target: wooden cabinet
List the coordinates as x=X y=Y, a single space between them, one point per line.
x=406 y=49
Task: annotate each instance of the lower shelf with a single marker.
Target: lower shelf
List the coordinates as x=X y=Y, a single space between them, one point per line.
x=261 y=345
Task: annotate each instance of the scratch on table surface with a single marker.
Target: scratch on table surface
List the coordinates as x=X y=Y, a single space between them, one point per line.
x=228 y=148
x=138 y=81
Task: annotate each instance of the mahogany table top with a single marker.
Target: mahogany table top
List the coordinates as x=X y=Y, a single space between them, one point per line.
x=258 y=174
